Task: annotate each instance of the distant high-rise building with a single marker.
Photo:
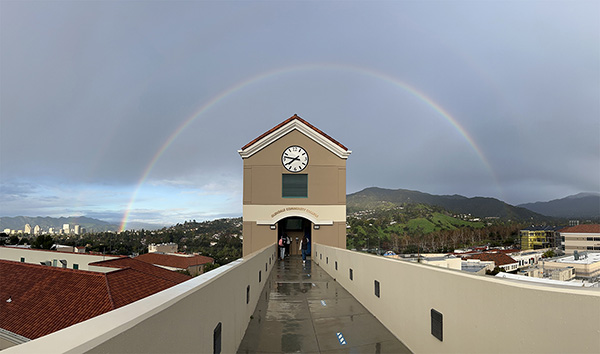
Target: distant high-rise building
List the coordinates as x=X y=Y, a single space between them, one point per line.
x=37 y=230
x=66 y=228
x=77 y=229
x=51 y=231
x=28 y=229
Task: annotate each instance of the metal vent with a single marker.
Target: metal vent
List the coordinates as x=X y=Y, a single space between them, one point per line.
x=217 y=339
x=437 y=325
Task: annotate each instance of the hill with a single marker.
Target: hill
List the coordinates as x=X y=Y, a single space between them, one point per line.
x=478 y=206
x=90 y=224
x=582 y=205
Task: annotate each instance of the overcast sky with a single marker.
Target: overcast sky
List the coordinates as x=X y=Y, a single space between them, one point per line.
x=109 y=106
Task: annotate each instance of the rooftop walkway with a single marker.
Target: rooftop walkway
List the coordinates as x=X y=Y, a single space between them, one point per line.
x=303 y=309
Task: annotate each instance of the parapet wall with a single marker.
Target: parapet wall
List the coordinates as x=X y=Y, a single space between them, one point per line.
x=479 y=314
x=192 y=317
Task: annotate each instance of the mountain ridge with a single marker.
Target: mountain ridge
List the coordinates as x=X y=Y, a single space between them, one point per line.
x=585 y=205
x=476 y=206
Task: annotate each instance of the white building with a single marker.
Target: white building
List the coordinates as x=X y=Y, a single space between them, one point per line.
x=52 y=258
x=163 y=248
x=586 y=265
x=66 y=229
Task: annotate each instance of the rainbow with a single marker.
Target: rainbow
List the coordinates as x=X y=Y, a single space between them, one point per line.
x=286 y=70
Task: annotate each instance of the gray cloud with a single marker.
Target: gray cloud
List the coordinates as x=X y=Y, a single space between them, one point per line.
x=91 y=93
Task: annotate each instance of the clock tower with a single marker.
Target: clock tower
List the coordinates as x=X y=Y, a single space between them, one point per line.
x=294 y=184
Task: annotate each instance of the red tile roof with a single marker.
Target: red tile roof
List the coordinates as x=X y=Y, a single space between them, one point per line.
x=499 y=259
x=582 y=229
x=144 y=267
x=169 y=260
x=286 y=122
x=46 y=299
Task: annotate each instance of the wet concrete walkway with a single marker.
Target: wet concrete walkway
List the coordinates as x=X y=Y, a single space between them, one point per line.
x=303 y=310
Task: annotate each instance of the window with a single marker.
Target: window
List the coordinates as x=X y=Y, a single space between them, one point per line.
x=22 y=259
x=75 y=266
x=294 y=186
x=377 y=289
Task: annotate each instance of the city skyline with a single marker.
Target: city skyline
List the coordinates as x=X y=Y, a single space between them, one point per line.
x=134 y=112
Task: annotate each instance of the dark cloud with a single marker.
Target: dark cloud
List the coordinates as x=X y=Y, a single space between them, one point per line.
x=92 y=94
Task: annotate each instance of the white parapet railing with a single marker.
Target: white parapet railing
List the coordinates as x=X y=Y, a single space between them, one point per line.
x=437 y=310
x=205 y=314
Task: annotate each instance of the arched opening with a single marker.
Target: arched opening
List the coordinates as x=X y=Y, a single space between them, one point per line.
x=295 y=227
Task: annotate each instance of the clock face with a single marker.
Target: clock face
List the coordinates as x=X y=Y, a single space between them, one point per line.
x=294 y=159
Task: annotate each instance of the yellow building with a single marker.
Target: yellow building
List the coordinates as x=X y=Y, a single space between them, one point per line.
x=294 y=184
x=537 y=237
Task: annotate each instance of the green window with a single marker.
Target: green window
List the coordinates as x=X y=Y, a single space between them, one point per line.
x=294 y=186
x=22 y=259
x=75 y=266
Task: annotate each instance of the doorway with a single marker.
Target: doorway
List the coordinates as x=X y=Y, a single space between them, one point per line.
x=295 y=227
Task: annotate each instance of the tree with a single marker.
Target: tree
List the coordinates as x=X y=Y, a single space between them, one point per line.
x=43 y=242
x=548 y=254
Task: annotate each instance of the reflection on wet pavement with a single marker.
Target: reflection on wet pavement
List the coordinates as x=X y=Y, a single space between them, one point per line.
x=303 y=310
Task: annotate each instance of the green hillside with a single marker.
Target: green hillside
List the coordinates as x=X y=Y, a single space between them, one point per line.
x=478 y=206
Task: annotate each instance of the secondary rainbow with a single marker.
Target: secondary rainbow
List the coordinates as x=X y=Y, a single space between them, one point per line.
x=270 y=74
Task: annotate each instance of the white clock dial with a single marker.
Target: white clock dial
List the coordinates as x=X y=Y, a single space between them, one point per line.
x=294 y=159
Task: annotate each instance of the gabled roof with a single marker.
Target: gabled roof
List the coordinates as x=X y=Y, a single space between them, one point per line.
x=288 y=125
x=144 y=267
x=169 y=260
x=582 y=229
x=46 y=299
x=499 y=259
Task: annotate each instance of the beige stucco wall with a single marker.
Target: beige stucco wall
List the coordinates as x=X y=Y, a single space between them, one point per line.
x=265 y=206
x=579 y=242
x=35 y=256
x=263 y=170
x=180 y=319
x=582 y=270
x=481 y=314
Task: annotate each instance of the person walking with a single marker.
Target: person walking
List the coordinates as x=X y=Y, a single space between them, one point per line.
x=304 y=248
x=286 y=243
x=281 y=247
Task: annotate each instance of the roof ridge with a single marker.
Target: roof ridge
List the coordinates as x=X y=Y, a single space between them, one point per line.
x=110 y=298
x=294 y=117
x=122 y=267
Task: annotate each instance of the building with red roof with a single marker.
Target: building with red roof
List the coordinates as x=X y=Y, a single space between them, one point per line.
x=500 y=260
x=36 y=300
x=194 y=264
x=581 y=238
